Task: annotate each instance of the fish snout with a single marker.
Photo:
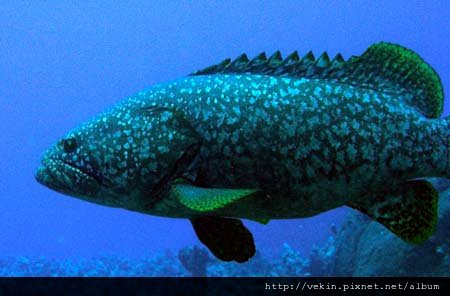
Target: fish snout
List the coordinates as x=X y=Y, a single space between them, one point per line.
x=66 y=178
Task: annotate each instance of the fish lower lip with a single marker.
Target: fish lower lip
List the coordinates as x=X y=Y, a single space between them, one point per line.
x=42 y=176
x=82 y=171
x=79 y=170
x=67 y=178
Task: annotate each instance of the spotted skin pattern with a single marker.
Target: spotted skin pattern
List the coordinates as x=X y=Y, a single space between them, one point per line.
x=309 y=145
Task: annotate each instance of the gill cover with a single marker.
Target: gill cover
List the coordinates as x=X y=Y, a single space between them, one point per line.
x=176 y=144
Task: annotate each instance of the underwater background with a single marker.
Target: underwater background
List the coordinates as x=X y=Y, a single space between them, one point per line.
x=62 y=62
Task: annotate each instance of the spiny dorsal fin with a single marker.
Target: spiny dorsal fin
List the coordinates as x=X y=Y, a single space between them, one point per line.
x=338 y=59
x=217 y=68
x=323 y=61
x=276 y=59
x=383 y=66
x=238 y=63
x=308 y=58
x=292 y=65
x=292 y=59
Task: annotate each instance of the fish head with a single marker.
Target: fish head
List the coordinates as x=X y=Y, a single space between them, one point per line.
x=118 y=154
x=75 y=165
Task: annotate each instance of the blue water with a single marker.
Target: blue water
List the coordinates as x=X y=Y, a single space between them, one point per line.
x=61 y=62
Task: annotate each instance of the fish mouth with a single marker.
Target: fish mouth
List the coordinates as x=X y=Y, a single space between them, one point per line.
x=67 y=178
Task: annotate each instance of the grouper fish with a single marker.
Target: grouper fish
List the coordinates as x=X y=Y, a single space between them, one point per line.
x=268 y=138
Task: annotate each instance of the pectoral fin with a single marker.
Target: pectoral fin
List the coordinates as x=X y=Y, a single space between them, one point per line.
x=410 y=212
x=227 y=238
x=207 y=199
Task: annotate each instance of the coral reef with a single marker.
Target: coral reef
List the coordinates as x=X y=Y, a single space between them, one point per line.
x=191 y=261
x=194 y=259
x=164 y=264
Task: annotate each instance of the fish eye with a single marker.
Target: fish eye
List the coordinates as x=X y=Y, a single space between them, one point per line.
x=69 y=145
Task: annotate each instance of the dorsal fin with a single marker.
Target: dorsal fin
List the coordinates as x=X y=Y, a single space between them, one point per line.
x=323 y=61
x=292 y=65
x=292 y=59
x=383 y=66
x=387 y=66
x=238 y=63
x=276 y=59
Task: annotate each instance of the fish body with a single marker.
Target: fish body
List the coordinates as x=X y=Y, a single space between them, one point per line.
x=268 y=139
